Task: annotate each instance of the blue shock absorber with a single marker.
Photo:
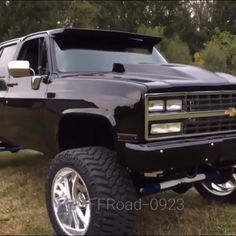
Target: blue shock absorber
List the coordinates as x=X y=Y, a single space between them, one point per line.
x=151 y=188
x=213 y=175
x=10 y=149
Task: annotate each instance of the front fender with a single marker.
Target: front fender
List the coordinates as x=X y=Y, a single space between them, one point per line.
x=91 y=111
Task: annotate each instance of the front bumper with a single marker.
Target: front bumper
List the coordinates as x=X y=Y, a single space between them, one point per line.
x=181 y=154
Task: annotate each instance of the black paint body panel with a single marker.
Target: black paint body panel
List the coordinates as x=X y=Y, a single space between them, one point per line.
x=180 y=155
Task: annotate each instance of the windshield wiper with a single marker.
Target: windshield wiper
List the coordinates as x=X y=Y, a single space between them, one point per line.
x=86 y=74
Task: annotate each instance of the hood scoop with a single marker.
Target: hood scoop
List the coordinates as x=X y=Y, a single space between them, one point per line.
x=168 y=71
x=118 y=68
x=165 y=69
x=172 y=75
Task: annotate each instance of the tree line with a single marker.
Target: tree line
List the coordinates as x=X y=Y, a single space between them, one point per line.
x=200 y=32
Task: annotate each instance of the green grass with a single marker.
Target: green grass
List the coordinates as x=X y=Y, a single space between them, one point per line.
x=23 y=211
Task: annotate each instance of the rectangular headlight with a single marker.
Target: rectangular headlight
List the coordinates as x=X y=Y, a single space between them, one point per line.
x=174 y=105
x=165 y=128
x=156 y=105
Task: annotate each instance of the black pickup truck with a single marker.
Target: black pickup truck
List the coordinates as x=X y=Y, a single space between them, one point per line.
x=121 y=121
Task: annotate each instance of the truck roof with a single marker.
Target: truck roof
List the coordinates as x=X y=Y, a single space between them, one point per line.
x=118 y=35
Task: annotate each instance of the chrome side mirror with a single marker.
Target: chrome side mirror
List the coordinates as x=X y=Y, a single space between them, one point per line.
x=19 y=68
x=36 y=81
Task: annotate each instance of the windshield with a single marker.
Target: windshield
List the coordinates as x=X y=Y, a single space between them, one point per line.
x=76 y=59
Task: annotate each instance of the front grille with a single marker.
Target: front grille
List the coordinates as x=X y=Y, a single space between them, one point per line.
x=209 y=124
x=203 y=113
x=209 y=102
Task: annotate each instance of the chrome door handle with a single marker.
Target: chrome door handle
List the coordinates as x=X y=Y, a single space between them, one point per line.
x=11 y=84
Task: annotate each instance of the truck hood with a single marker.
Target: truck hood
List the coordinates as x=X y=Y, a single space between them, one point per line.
x=169 y=76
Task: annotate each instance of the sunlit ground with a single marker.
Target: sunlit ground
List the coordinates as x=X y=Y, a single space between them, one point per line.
x=22 y=206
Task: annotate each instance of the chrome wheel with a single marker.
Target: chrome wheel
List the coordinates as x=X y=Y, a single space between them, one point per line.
x=71 y=202
x=222 y=189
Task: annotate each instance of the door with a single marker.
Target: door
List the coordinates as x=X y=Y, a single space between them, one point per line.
x=7 y=53
x=25 y=107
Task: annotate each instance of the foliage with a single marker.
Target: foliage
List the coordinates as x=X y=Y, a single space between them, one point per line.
x=153 y=31
x=214 y=58
x=22 y=17
x=78 y=14
x=122 y=15
x=223 y=16
x=198 y=59
x=187 y=27
x=176 y=51
x=219 y=53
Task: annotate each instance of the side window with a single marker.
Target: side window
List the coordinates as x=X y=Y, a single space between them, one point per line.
x=6 y=55
x=35 y=52
x=43 y=59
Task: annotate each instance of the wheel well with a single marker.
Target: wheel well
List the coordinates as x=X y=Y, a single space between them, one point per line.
x=84 y=130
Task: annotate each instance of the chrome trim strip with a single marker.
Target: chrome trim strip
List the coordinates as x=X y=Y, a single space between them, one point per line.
x=182 y=115
x=146 y=113
x=188 y=135
x=173 y=94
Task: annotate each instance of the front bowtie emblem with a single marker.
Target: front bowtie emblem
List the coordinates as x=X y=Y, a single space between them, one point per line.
x=231 y=112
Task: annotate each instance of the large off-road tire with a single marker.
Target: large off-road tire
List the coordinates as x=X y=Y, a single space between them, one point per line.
x=89 y=193
x=219 y=192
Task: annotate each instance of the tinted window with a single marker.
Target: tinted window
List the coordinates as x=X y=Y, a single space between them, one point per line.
x=78 y=55
x=7 y=54
x=35 y=52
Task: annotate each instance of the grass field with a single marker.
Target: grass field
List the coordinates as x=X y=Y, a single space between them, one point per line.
x=22 y=206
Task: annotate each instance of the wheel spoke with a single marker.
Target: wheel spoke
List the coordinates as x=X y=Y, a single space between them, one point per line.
x=70 y=219
x=67 y=187
x=87 y=213
x=216 y=187
x=72 y=230
x=81 y=216
x=228 y=185
x=74 y=187
x=60 y=187
x=75 y=219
